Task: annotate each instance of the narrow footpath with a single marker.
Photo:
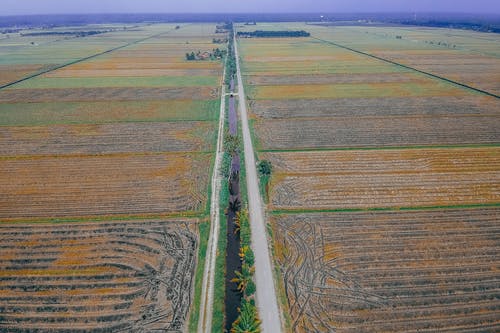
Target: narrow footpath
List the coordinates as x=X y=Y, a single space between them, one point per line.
x=266 y=294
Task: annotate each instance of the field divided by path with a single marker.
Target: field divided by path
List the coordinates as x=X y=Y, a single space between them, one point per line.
x=386 y=181
x=126 y=138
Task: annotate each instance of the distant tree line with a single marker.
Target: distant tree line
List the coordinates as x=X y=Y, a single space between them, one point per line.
x=476 y=26
x=231 y=59
x=270 y=33
x=65 y=33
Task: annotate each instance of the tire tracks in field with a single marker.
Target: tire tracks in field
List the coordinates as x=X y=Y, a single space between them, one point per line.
x=435 y=76
x=29 y=77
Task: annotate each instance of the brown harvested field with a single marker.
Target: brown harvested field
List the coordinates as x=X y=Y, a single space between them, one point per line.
x=90 y=185
x=10 y=73
x=384 y=178
x=108 y=94
x=105 y=179
x=475 y=70
x=385 y=190
x=362 y=107
x=99 y=277
x=376 y=131
x=107 y=138
x=465 y=56
x=411 y=271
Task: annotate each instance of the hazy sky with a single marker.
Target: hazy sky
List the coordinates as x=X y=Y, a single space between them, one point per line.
x=14 y=7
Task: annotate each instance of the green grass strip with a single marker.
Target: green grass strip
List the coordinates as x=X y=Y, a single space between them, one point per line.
x=382 y=209
x=218 y=317
x=105 y=218
x=204 y=229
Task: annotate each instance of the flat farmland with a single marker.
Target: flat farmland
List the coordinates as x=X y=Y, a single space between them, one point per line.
x=107 y=111
x=384 y=178
x=99 y=277
x=107 y=138
x=413 y=271
x=119 y=141
x=48 y=187
x=353 y=108
x=469 y=57
x=383 y=200
x=348 y=132
x=113 y=122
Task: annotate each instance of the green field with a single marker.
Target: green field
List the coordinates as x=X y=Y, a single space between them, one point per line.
x=22 y=114
x=103 y=82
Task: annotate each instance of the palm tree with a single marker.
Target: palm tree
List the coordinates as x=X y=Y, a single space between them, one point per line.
x=243 y=252
x=247 y=321
x=237 y=224
x=241 y=216
x=244 y=277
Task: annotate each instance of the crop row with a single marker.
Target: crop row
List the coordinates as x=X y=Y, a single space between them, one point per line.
x=371 y=107
x=155 y=137
x=106 y=94
x=108 y=184
x=386 y=161
x=385 y=190
x=376 y=131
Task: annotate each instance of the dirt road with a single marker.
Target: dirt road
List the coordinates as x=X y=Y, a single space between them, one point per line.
x=207 y=290
x=266 y=295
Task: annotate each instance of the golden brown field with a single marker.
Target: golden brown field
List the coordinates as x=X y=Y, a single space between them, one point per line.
x=383 y=199
x=103 y=160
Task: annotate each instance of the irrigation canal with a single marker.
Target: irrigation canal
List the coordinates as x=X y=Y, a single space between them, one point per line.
x=233 y=263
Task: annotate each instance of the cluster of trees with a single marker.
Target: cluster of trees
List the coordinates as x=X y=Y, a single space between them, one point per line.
x=231 y=60
x=215 y=54
x=265 y=169
x=248 y=319
x=219 y=40
x=270 y=33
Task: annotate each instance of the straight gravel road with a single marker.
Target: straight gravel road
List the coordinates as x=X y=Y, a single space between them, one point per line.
x=266 y=294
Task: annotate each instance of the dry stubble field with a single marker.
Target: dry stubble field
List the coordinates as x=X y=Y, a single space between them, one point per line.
x=118 y=145
x=384 y=196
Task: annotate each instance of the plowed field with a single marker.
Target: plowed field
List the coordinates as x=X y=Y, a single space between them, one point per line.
x=422 y=271
x=98 y=277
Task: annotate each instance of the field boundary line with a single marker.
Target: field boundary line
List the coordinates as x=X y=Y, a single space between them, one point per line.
x=207 y=289
x=103 y=155
x=381 y=209
x=101 y=218
x=463 y=85
x=32 y=76
x=485 y=145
